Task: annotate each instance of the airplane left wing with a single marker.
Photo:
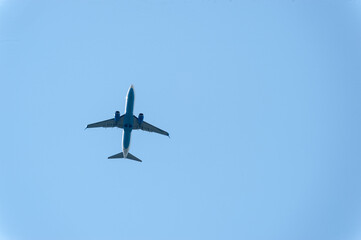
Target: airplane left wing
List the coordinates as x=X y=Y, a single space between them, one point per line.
x=147 y=127
x=108 y=123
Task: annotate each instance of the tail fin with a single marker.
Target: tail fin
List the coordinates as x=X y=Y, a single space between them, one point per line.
x=129 y=156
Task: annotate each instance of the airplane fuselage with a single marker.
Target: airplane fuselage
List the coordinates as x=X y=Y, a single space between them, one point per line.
x=128 y=120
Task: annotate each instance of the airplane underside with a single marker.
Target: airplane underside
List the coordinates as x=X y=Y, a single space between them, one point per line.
x=128 y=122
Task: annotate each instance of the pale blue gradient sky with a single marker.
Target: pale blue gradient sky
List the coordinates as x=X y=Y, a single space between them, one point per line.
x=261 y=99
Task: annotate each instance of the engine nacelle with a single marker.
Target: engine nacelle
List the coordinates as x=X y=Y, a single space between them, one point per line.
x=140 y=118
x=117 y=116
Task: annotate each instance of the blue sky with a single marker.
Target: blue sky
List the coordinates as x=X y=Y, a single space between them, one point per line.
x=261 y=99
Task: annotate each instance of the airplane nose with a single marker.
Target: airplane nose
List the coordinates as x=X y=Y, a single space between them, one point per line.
x=131 y=89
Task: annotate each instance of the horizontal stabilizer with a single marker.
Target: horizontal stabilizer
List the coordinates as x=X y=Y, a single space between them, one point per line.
x=129 y=156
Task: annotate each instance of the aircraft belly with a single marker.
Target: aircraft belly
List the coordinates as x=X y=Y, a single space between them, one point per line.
x=128 y=121
x=126 y=139
x=130 y=102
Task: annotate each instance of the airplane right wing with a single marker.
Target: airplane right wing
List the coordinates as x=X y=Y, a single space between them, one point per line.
x=110 y=123
x=148 y=127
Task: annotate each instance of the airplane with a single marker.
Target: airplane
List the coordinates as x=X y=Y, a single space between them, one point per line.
x=127 y=122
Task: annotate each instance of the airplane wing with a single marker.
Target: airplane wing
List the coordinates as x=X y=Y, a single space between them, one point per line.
x=147 y=127
x=110 y=123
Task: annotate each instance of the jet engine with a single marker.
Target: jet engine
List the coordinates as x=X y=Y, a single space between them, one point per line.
x=140 y=118
x=117 y=116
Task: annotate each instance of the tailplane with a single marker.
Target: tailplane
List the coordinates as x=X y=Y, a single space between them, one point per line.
x=129 y=156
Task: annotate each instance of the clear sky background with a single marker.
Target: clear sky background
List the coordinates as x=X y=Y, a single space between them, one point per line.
x=261 y=99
